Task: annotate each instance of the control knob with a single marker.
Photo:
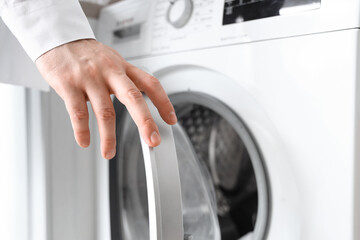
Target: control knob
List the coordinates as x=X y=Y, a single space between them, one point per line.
x=179 y=12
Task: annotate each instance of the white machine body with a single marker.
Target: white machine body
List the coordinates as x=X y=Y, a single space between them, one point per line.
x=292 y=78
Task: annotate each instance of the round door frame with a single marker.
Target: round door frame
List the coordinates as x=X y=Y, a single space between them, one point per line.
x=220 y=108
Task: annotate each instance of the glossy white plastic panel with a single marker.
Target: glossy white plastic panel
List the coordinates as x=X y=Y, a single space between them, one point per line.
x=127 y=17
x=205 y=28
x=297 y=97
x=163 y=184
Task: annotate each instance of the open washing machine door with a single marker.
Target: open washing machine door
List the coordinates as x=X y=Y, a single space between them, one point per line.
x=163 y=192
x=205 y=181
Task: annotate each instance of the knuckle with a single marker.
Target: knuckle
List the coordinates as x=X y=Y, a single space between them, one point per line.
x=148 y=122
x=119 y=73
x=134 y=95
x=107 y=60
x=67 y=76
x=64 y=80
x=92 y=69
x=80 y=115
x=153 y=81
x=107 y=114
x=77 y=71
x=130 y=67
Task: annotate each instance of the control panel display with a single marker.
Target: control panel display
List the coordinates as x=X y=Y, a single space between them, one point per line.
x=236 y=11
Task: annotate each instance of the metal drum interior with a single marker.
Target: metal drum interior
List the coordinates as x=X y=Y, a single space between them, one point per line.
x=229 y=161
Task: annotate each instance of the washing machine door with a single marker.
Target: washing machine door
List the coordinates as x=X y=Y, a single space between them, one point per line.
x=162 y=192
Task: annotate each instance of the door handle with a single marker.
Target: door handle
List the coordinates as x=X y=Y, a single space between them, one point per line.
x=163 y=184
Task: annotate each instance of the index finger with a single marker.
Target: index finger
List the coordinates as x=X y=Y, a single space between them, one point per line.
x=127 y=93
x=153 y=89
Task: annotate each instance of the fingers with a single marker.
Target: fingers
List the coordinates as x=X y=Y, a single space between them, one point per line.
x=105 y=115
x=153 y=89
x=127 y=93
x=92 y=71
x=76 y=106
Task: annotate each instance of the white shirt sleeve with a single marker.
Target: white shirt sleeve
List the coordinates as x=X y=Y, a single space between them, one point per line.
x=41 y=25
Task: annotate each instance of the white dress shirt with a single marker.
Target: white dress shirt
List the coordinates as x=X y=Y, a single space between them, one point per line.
x=41 y=25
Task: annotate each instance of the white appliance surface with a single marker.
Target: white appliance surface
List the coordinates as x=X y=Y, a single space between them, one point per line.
x=299 y=103
x=204 y=28
x=291 y=78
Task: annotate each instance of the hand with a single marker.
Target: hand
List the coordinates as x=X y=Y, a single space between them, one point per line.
x=87 y=70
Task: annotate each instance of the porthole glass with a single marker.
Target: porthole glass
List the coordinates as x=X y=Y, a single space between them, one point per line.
x=228 y=162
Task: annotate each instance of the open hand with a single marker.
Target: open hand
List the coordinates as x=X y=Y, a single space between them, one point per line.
x=87 y=70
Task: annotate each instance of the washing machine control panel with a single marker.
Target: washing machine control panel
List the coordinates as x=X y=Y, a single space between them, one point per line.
x=178 y=22
x=142 y=27
x=179 y=12
x=191 y=24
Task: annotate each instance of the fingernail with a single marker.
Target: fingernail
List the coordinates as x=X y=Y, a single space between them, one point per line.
x=110 y=154
x=173 y=118
x=84 y=144
x=155 y=138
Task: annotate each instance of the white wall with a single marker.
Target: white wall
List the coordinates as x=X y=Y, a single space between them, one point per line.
x=15 y=66
x=50 y=189
x=14 y=196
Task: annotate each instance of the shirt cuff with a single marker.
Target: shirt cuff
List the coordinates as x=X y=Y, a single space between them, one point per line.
x=41 y=25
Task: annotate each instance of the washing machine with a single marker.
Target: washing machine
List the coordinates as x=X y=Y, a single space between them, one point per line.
x=267 y=142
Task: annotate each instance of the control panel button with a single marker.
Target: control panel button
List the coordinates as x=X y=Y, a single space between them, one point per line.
x=179 y=12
